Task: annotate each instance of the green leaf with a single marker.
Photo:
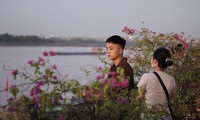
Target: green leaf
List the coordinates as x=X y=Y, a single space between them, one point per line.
x=14 y=91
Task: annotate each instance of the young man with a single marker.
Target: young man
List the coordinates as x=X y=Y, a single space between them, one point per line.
x=114 y=48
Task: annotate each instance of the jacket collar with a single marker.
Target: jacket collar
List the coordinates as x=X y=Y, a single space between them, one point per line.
x=121 y=63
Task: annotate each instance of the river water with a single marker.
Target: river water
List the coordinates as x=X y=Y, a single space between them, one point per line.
x=17 y=57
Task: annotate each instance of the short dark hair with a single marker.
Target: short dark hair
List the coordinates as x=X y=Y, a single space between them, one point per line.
x=163 y=56
x=116 y=39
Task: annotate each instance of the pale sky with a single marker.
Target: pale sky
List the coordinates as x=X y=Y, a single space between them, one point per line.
x=101 y=18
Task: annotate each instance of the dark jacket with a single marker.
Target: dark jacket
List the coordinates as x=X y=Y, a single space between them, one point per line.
x=127 y=70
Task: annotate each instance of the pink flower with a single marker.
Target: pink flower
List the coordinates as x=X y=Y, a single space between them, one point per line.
x=40 y=59
x=98 y=77
x=113 y=85
x=14 y=72
x=52 y=53
x=105 y=81
x=45 y=54
x=112 y=73
x=124 y=83
x=176 y=36
x=54 y=67
x=162 y=34
x=103 y=76
x=128 y=31
x=192 y=40
x=36 y=90
x=44 y=77
x=55 y=77
x=113 y=80
x=154 y=33
x=10 y=99
x=99 y=69
x=30 y=62
x=38 y=84
x=186 y=45
x=182 y=33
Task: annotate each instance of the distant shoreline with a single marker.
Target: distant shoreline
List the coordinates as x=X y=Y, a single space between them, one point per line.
x=10 y=40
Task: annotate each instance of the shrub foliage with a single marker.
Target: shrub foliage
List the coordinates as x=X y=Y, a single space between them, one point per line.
x=105 y=98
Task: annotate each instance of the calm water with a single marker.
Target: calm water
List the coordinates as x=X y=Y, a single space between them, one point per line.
x=17 y=57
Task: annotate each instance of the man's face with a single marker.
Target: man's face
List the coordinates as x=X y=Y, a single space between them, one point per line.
x=113 y=50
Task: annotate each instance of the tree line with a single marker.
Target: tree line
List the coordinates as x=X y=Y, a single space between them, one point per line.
x=11 y=40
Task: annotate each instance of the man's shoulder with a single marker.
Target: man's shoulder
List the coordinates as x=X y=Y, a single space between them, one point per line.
x=127 y=67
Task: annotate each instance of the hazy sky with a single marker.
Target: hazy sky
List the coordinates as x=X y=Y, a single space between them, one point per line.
x=97 y=17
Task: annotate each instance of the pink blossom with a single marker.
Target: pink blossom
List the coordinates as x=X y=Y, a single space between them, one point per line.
x=186 y=45
x=45 y=54
x=14 y=72
x=154 y=33
x=98 y=77
x=183 y=53
x=113 y=85
x=182 y=33
x=36 y=90
x=87 y=94
x=55 y=77
x=38 y=84
x=162 y=34
x=99 y=69
x=113 y=80
x=112 y=73
x=10 y=99
x=52 y=53
x=124 y=83
x=54 y=67
x=128 y=31
x=192 y=40
x=44 y=77
x=176 y=36
x=30 y=62
x=103 y=76
x=40 y=59
x=105 y=81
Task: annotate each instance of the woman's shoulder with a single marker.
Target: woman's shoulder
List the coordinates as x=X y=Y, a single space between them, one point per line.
x=148 y=75
x=145 y=78
x=167 y=76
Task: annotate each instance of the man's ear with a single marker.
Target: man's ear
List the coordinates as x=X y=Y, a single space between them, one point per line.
x=121 y=51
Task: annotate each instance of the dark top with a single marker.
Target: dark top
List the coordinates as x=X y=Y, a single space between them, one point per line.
x=127 y=70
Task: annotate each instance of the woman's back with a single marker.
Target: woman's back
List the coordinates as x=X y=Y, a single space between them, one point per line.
x=155 y=94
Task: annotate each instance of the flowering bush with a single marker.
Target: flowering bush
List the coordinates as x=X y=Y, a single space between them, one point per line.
x=47 y=89
x=185 y=69
x=103 y=95
x=108 y=98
